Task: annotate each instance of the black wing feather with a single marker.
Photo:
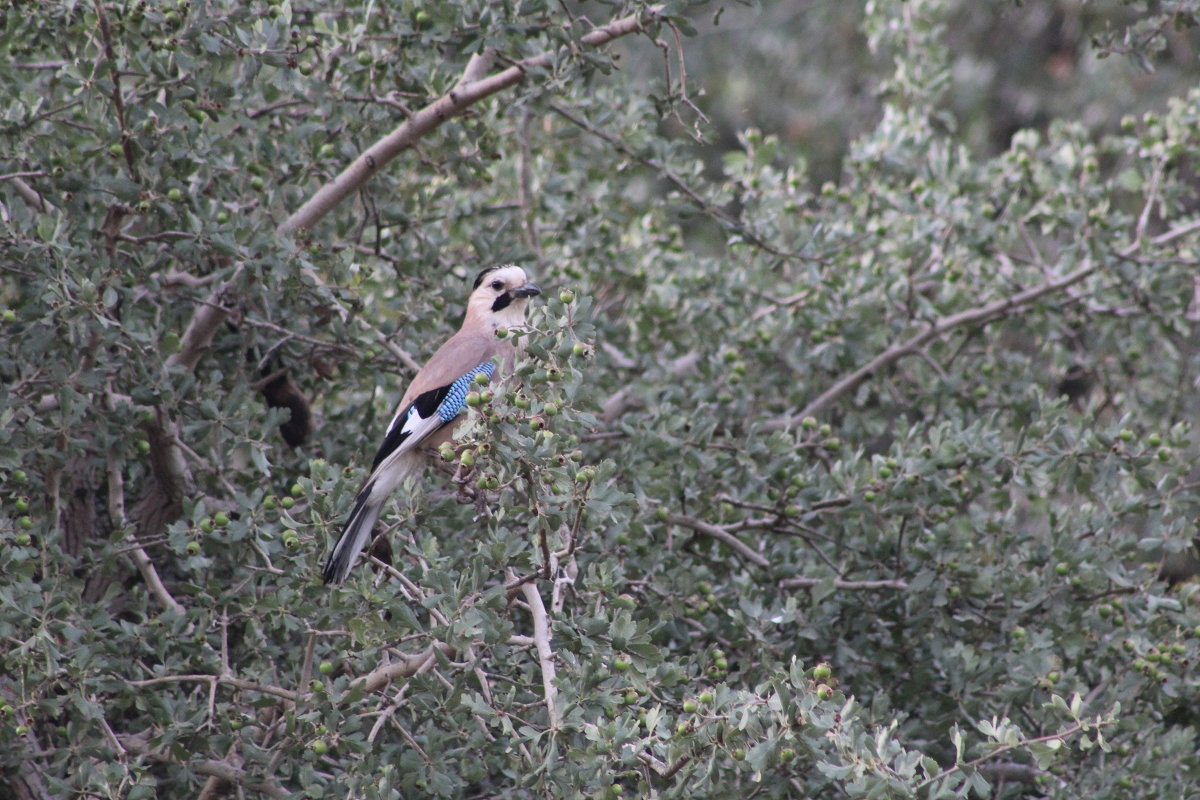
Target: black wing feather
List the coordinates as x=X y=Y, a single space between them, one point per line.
x=426 y=405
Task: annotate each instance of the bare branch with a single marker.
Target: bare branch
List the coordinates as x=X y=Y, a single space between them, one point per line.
x=205 y=322
x=912 y=345
x=220 y=769
x=541 y=641
x=222 y=680
x=838 y=583
x=116 y=511
x=32 y=197
x=450 y=105
x=721 y=535
x=407 y=667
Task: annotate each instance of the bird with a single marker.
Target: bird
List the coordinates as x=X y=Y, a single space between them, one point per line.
x=425 y=416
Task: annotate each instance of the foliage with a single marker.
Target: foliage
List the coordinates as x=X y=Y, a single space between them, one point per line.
x=868 y=486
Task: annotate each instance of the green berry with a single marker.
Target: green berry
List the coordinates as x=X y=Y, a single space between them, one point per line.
x=257 y=183
x=824 y=691
x=116 y=150
x=624 y=601
x=320 y=747
x=1154 y=440
x=579 y=349
x=222 y=217
x=1125 y=435
x=467 y=458
x=9 y=315
x=193 y=548
x=297 y=490
x=690 y=707
x=620 y=664
x=221 y=519
x=286 y=502
x=174 y=195
x=787 y=754
x=631 y=697
x=809 y=423
x=1062 y=568
x=566 y=295
x=706 y=697
x=501 y=333
x=325 y=668
x=22 y=539
x=550 y=409
x=481 y=379
x=291 y=541
x=822 y=672
x=473 y=399
x=269 y=502
x=206 y=525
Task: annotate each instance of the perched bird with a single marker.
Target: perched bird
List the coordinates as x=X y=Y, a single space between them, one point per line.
x=426 y=414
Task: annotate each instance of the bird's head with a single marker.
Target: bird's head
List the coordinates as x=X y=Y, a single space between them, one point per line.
x=498 y=298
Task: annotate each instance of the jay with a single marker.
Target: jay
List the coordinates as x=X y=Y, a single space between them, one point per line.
x=426 y=414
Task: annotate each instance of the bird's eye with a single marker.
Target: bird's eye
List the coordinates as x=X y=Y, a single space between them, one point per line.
x=497 y=285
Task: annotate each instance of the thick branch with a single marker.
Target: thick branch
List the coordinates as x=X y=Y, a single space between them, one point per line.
x=31 y=196
x=450 y=105
x=375 y=680
x=541 y=640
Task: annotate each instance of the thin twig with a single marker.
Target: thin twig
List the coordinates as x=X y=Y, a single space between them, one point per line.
x=223 y=680
x=838 y=583
x=910 y=346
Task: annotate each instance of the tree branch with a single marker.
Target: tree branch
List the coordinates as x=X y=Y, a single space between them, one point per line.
x=211 y=766
x=541 y=641
x=910 y=346
x=376 y=679
x=116 y=512
x=465 y=94
x=838 y=583
x=721 y=535
x=222 y=680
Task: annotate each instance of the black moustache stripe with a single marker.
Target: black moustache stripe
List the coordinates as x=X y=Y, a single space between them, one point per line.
x=502 y=301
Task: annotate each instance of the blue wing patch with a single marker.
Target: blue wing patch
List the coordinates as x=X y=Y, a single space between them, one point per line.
x=445 y=401
x=452 y=404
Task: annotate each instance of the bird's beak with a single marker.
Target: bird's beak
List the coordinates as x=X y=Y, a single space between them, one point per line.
x=527 y=289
